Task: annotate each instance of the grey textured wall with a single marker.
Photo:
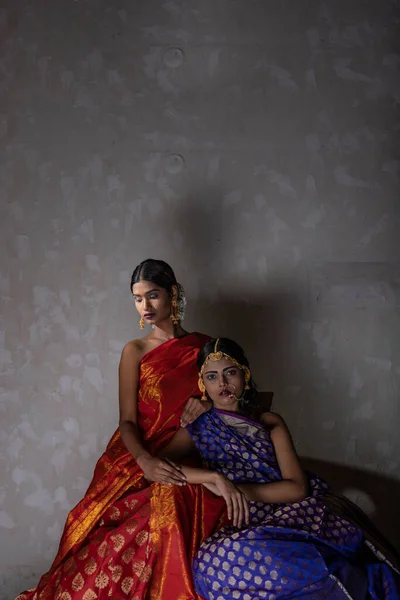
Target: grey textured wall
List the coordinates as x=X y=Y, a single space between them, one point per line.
x=251 y=143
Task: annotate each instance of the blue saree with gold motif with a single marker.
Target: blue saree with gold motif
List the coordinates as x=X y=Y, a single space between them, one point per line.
x=301 y=550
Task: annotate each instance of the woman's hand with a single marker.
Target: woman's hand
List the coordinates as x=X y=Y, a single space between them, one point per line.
x=236 y=503
x=193 y=409
x=161 y=470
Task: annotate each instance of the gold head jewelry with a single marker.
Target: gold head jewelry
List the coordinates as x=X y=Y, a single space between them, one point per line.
x=141 y=323
x=219 y=355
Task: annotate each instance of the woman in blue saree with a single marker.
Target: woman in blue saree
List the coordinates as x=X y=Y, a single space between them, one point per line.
x=289 y=536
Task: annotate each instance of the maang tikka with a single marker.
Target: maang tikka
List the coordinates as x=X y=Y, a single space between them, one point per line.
x=219 y=355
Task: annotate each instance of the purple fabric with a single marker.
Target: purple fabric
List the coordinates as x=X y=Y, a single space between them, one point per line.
x=299 y=550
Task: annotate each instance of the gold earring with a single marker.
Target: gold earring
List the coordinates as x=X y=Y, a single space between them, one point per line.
x=141 y=323
x=174 y=311
x=247 y=377
x=202 y=388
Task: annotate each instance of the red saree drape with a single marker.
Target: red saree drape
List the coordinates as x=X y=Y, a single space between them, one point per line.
x=127 y=538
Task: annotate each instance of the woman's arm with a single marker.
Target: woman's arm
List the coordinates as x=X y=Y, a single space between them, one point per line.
x=128 y=394
x=293 y=486
x=154 y=469
x=180 y=447
x=234 y=496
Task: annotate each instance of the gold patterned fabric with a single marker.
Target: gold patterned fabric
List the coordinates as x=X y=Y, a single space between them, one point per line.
x=127 y=538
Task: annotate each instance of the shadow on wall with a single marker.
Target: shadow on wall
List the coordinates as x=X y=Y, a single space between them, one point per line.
x=256 y=312
x=377 y=495
x=261 y=318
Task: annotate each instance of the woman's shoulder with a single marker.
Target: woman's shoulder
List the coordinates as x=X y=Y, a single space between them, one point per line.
x=272 y=420
x=134 y=350
x=134 y=345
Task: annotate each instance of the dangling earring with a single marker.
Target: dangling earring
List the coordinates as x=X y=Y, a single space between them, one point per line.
x=202 y=388
x=247 y=377
x=174 y=311
x=141 y=323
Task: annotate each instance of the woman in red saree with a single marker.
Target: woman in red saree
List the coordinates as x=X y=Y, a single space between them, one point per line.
x=132 y=536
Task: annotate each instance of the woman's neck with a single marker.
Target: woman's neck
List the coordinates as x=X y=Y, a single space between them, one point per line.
x=168 y=331
x=229 y=409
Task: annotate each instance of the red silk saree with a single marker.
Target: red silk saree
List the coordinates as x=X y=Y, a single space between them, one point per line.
x=128 y=538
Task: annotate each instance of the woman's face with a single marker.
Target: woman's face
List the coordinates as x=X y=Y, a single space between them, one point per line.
x=224 y=383
x=152 y=302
